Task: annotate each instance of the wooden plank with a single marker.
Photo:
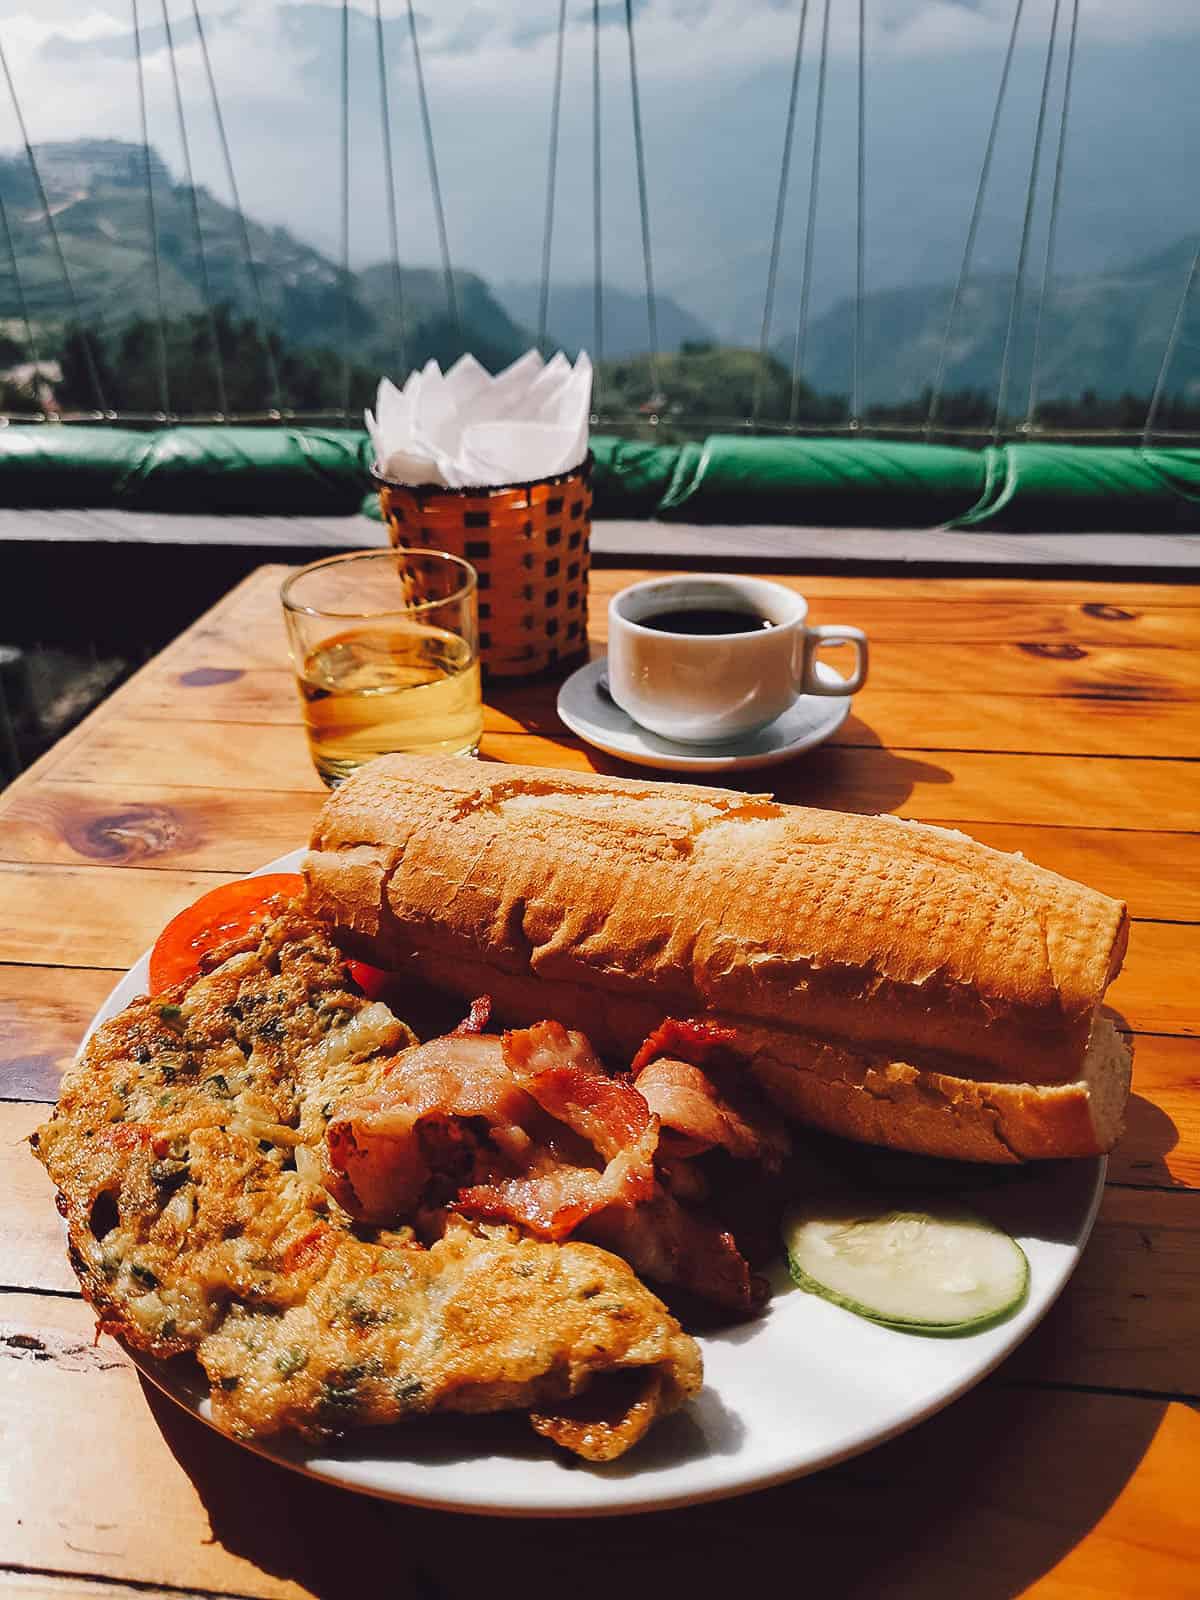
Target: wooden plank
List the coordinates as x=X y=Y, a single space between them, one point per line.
x=43 y=1013
x=960 y=787
x=151 y=825
x=73 y=1411
x=75 y=917
x=1083 y=1492
x=1143 y=1250
x=1028 y=666
x=85 y=916
x=1130 y=1317
x=35 y=1250
x=1161 y=1143
x=1156 y=990
x=912 y=719
x=155 y=825
x=45 y=1586
x=1157 y=874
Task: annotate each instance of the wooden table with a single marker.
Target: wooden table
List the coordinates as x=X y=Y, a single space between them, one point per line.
x=1055 y=718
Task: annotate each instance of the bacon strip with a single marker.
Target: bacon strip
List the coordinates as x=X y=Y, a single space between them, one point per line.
x=561 y=1071
x=476 y=1019
x=553 y=1203
x=665 y=1242
x=697 y=1115
x=693 y=1039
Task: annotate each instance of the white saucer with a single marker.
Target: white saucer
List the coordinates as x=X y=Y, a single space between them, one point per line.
x=586 y=708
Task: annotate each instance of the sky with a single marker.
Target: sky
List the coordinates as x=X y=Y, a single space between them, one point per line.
x=714 y=77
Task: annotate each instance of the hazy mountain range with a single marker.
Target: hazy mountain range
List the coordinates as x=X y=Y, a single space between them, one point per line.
x=1105 y=331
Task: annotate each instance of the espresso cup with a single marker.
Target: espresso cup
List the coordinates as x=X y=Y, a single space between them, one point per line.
x=706 y=688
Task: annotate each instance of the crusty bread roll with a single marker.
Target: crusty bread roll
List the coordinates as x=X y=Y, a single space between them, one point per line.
x=890 y=981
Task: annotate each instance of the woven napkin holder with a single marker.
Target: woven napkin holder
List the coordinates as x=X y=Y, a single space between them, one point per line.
x=528 y=542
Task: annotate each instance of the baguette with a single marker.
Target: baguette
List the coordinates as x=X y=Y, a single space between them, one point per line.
x=889 y=981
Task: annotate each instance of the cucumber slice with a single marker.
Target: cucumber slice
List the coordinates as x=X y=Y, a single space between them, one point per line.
x=940 y=1271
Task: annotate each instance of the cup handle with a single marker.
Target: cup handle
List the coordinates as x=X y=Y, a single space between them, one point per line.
x=833 y=633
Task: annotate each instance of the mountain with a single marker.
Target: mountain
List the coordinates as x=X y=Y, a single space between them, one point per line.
x=97 y=193
x=570 y=318
x=1104 y=332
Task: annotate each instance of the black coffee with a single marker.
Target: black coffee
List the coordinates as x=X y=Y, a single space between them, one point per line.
x=706 y=620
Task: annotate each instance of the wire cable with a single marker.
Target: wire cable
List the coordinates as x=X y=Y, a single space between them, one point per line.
x=814 y=181
x=197 y=231
x=344 y=253
x=22 y=303
x=785 y=164
x=434 y=183
x=1014 y=305
x=597 y=213
x=964 y=270
x=89 y=355
x=639 y=150
x=390 y=180
x=1160 y=382
x=551 y=178
x=164 y=387
x=856 y=395
x=264 y=327
x=1052 y=230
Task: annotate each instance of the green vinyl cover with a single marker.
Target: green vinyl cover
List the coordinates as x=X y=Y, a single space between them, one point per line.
x=726 y=478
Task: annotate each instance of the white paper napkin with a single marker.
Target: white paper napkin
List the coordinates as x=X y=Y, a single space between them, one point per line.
x=466 y=429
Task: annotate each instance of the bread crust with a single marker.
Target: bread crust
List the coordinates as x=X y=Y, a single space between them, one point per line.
x=880 y=964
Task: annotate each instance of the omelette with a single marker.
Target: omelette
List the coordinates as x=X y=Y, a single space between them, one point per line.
x=188 y=1149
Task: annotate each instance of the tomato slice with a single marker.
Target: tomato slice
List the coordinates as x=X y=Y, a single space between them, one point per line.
x=218 y=916
x=371 y=980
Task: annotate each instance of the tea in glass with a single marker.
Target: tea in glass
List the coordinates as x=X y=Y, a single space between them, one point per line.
x=386 y=651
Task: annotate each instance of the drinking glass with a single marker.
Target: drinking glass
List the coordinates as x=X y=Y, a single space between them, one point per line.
x=386 y=649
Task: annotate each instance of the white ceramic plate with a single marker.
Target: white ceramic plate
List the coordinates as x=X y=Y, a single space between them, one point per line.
x=804 y=1386
x=586 y=708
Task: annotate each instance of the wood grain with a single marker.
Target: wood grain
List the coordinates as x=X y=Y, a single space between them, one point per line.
x=1161 y=1143
x=956 y=786
x=1080 y=1491
x=1143 y=1250
x=43 y=1013
x=1085 y=725
x=85 y=916
x=151 y=825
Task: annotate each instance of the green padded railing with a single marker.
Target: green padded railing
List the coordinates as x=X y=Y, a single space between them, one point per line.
x=726 y=478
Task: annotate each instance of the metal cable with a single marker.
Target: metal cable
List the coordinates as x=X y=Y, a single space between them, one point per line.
x=860 y=232
x=551 y=178
x=390 y=180
x=164 y=387
x=345 y=208
x=705 y=424
x=197 y=231
x=264 y=328
x=22 y=303
x=643 y=204
x=48 y=217
x=597 y=213
x=1052 y=231
x=814 y=181
x=935 y=394
x=1014 y=305
x=785 y=165
x=1160 y=382
x=435 y=185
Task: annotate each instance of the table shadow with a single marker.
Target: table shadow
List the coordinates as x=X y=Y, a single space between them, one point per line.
x=983 y=1499
x=862 y=776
